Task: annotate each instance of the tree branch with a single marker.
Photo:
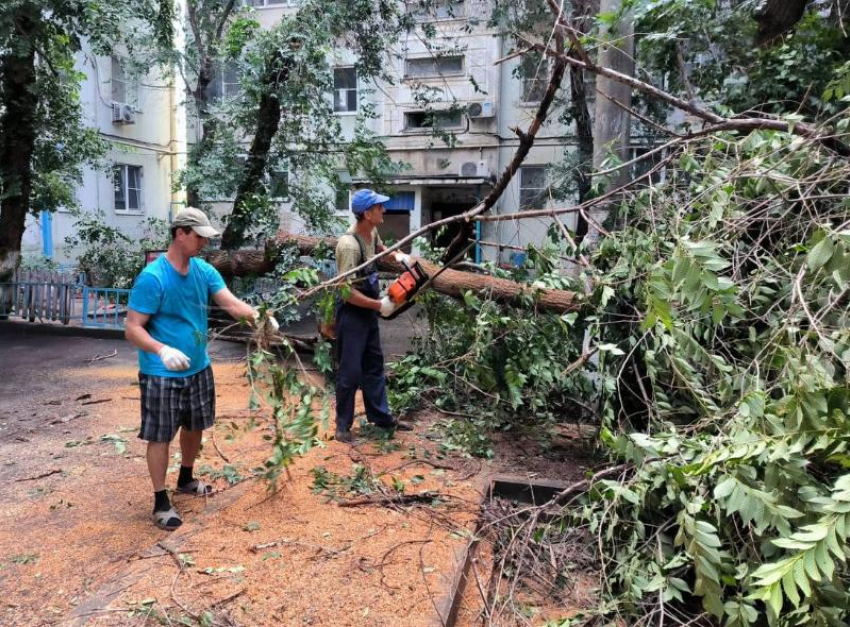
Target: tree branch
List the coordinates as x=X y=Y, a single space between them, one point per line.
x=738 y=124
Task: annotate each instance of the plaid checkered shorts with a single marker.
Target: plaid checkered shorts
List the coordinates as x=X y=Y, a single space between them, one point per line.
x=169 y=403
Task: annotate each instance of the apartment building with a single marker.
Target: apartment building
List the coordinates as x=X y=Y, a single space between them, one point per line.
x=470 y=96
x=143 y=120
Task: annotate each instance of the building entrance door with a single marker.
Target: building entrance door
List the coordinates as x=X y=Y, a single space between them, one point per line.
x=445 y=235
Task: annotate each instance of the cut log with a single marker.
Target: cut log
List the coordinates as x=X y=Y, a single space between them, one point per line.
x=450 y=282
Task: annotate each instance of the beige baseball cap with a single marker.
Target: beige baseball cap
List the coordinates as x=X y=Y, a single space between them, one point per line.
x=197 y=220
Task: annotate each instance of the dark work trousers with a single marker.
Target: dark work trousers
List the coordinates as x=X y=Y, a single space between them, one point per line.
x=361 y=365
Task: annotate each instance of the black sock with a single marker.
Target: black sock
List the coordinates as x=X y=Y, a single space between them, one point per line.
x=185 y=476
x=160 y=501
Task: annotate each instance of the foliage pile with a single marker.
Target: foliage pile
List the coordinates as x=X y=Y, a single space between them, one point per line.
x=493 y=367
x=730 y=399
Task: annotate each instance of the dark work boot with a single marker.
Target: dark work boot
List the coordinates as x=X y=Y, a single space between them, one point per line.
x=344 y=436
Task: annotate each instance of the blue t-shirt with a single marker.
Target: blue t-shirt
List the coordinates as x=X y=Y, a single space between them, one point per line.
x=177 y=306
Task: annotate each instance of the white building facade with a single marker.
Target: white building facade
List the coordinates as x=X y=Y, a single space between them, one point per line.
x=471 y=96
x=144 y=122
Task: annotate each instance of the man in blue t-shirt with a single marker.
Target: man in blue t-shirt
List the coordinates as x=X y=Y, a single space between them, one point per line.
x=167 y=322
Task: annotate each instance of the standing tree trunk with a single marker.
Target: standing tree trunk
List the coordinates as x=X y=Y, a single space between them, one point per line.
x=207 y=28
x=268 y=122
x=581 y=115
x=611 y=129
x=17 y=144
x=776 y=18
x=201 y=97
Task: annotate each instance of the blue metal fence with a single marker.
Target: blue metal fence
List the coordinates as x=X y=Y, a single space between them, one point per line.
x=104 y=307
x=62 y=297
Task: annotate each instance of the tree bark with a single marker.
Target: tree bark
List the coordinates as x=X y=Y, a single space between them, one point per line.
x=200 y=15
x=17 y=144
x=581 y=114
x=776 y=18
x=450 y=282
x=612 y=125
x=268 y=122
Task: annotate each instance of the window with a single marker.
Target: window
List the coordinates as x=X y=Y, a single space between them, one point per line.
x=534 y=72
x=434 y=66
x=646 y=165
x=269 y=3
x=341 y=198
x=225 y=84
x=345 y=89
x=432 y=119
x=435 y=9
x=533 y=192
x=279 y=184
x=123 y=89
x=128 y=188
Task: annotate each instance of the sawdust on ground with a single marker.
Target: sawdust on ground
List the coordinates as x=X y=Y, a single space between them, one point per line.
x=78 y=546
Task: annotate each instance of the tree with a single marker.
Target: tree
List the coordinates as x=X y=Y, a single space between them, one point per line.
x=44 y=142
x=209 y=22
x=283 y=116
x=777 y=17
x=612 y=123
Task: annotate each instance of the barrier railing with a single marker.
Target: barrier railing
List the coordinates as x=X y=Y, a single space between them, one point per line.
x=104 y=307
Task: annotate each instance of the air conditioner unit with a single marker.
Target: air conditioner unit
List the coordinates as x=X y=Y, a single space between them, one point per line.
x=123 y=113
x=481 y=110
x=474 y=169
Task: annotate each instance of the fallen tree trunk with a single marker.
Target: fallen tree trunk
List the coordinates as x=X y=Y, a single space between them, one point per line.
x=450 y=282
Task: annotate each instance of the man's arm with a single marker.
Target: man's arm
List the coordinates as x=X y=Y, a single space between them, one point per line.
x=237 y=309
x=137 y=334
x=359 y=299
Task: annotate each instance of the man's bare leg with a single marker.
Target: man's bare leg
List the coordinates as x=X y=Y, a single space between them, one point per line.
x=157 y=456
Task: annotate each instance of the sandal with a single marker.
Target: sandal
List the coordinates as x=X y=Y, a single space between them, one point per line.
x=195 y=487
x=167 y=519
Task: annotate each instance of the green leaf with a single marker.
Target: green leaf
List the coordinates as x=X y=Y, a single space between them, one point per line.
x=789 y=585
x=820 y=254
x=774 y=602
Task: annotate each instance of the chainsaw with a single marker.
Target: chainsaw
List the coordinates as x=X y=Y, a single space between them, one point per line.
x=405 y=287
x=412 y=281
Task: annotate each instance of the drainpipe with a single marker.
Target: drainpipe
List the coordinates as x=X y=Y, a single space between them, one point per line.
x=47 y=234
x=478 y=227
x=177 y=116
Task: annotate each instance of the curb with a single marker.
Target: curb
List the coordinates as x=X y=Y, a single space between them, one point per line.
x=14 y=327
x=513 y=487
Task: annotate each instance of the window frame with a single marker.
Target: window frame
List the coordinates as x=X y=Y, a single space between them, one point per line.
x=347 y=91
x=541 y=198
x=440 y=6
x=540 y=81
x=434 y=115
x=269 y=4
x=124 y=169
x=121 y=85
x=435 y=61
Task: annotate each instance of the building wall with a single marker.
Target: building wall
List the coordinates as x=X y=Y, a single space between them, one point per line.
x=157 y=140
x=149 y=143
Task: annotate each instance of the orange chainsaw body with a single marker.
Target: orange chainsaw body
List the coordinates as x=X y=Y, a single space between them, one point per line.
x=407 y=284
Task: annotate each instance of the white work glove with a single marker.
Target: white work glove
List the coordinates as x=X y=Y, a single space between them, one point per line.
x=173 y=359
x=271 y=320
x=402 y=258
x=387 y=306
